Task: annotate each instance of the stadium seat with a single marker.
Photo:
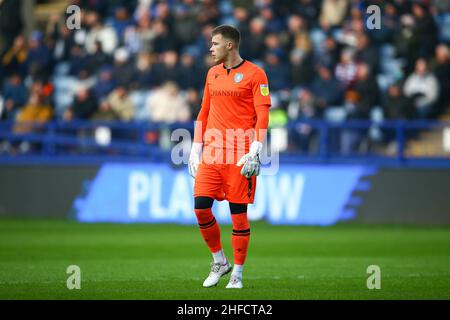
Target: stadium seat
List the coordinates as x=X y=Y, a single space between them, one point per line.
x=376 y=116
x=139 y=97
x=443 y=22
x=335 y=114
x=64 y=92
x=62 y=69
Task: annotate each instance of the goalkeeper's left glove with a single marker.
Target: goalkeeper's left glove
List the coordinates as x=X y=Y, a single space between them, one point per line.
x=251 y=161
x=194 y=158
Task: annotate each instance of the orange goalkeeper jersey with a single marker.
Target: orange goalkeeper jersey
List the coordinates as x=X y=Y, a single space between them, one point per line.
x=229 y=104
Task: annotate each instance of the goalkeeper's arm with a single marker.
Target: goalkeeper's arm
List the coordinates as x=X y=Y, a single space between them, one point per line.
x=199 y=132
x=250 y=161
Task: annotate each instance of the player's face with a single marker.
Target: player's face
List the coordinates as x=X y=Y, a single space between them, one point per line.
x=219 y=48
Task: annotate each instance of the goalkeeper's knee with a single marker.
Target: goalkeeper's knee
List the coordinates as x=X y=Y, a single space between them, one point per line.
x=238 y=208
x=203 y=202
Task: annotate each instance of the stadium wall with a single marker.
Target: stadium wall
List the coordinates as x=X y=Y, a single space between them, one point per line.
x=159 y=193
x=406 y=196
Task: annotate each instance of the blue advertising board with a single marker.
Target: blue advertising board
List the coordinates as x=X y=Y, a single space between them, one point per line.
x=158 y=193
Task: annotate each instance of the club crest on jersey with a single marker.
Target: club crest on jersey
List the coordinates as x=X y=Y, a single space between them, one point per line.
x=238 y=77
x=264 y=89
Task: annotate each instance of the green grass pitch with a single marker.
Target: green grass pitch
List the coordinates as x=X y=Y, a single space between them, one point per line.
x=143 y=261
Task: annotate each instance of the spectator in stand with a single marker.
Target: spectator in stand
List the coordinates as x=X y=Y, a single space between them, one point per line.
x=441 y=69
x=144 y=71
x=367 y=89
x=209 y=13
x=105 y=113
x=63 y=37
x=167 y=105
x=30 y=119
x=140 y=38
x=121 y=103
x=389 y=24
x=11 y=23
x=406 y=42
x=121 y=21
x=440 y=6
x=97 y=59
x=366 y=52
x=194 y=102
x=242 y=18
x=346 y=69
x=403 y=6
x=396 y=106
x=208 y=62
x=83 y=106
x=186 y=28
x=15 y=60
x=308 y=10
x=352 y=27
x=78 y=63
x=330 y=54
x=254 y=46
x=296 y=27
x=276 y=71
x=44 y=89
x=303 y=108
x=332 y=13
x=105 y=83
x=425 y=29
x=203 y=41
x=168 y=69
x=189 y=75
x=98 y=32
x=423 y=87
x=39 y=58
x=33 y=114
x=161 y=11
x=273 y=24
x=326 y=88
x=164 y=40
x=124 y=71
x=302 y=61
x=15 y=95
x=351 y=137
x=272 y=44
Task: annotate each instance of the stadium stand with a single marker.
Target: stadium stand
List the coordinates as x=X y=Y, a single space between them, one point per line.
x=139 y=67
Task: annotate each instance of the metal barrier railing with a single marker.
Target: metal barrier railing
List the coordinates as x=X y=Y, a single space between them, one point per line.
x=152 y=140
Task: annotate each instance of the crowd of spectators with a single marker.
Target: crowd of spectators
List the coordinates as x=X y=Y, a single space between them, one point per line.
x=146 y=60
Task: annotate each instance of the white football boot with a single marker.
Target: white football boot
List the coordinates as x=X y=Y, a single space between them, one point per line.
x=235 y=282
x=217 y=270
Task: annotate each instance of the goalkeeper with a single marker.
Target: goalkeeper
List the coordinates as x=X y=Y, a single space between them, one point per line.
x=224 y=160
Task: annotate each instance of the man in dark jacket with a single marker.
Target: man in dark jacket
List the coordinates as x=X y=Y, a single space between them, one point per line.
x=84 y=105
x=10 y=22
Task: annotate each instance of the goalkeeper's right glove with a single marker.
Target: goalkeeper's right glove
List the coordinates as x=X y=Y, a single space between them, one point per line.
x=194 y=158
x=251 y=161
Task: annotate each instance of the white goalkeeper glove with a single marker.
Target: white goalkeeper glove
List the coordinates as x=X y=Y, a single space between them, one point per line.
x=251 y=160
x=194 y=158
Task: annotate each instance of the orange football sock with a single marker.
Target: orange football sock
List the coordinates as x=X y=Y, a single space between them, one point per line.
x=209 y=229
x=240 y=237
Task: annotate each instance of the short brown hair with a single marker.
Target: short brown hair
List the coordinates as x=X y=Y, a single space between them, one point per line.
x=228 y=32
